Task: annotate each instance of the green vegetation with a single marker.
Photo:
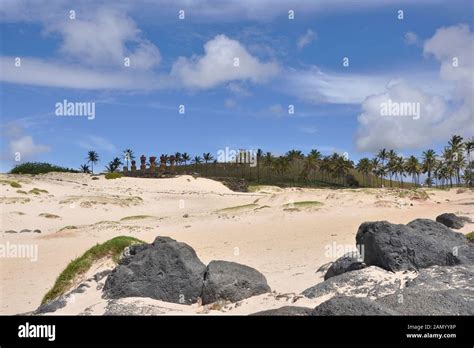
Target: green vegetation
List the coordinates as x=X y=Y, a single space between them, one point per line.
x=136 y=217
x=113 y=175
x=37 y=191
x=22 y=192
x=49 y=216
x=303 y=204
x=470 y=236
x=70 y=227
x=39 y=168
x=238 y=208
x=12 y=183
x=79 y=266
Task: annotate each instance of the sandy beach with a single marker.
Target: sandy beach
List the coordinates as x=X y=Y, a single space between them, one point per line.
x=284 y=233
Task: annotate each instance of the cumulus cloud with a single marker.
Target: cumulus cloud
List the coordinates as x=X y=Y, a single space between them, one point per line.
x=20 y=143
x=105 y=39
x=224 y=60
x=92 y=53
x=306 y=39
x=452 y=47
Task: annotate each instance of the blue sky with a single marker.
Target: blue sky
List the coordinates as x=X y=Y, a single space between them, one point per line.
x=190 y=62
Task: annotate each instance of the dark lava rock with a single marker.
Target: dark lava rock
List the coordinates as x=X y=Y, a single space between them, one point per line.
x=345 y=305
x=451 y=220
x=414 y=301
x=165 y=270
x=421 y=243
x=285 y=311
x=11 y=231
x=232 y=281
x=25 y=230
x=348 y=262
x=51 y=306
x=37 y=231
x=438 y=290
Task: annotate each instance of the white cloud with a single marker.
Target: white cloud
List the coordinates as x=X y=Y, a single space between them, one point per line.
x=438 y=120
x=306 y=39
x=105 y=39
x=26 y=147
x=219 y=65
x=97 y=143
x=411 y=38
x=38 y=72
x=308 y=129
x=20 y=143
x=318 y=87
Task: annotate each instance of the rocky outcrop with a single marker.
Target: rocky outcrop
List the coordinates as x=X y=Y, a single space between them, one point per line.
x=451 y=220
x=164 y=270
x=348 y=262
x=421 y=243
x=231 y=281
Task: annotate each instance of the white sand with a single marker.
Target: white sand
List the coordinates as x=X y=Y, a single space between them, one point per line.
x=286 y=245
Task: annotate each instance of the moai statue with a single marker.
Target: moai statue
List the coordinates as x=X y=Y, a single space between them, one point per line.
x=125 y=170
x=162 y=163
x=152 y=165
x=172 y=160
x=143 y=164
x=134 y=168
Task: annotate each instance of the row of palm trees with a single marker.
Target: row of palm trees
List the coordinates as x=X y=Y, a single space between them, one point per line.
x=452 y=166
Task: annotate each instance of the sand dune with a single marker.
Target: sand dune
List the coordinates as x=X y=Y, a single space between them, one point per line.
x=284 y=233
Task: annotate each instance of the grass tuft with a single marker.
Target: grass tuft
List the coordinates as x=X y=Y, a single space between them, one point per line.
x=136 y=217
x=470 y=236
x=112 y=248
x=303 y=204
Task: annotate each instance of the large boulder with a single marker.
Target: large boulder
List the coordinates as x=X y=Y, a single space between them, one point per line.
x=451 y=220
x=165 y=270
x=345 y=305
x=421 y=243
x=346 y=263
x=231 y=281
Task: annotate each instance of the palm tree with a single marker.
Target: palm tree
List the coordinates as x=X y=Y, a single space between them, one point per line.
x=259 y=155
x=428 y=163
x=375 y=164
x=315 y=156
x=92 y=158
x=391 y=155
x=185 y=157
x=413 y=168
x=197 y=160
x=364 y=167
x=457 y=145
x=113 y=165
x=85 y=168
x=469 y=146
x=207 y=157
x=382 y=156
x=128 y=155
x=399 y=167
x=178 y=158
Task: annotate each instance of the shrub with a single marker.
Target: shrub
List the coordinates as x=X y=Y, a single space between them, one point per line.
x=470 y=236
x=112 y=248
x=39 y=168
x=113 y=175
